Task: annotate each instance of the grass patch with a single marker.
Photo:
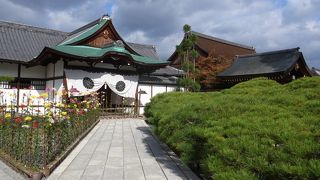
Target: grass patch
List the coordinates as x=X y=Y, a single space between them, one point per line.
x=258 y=129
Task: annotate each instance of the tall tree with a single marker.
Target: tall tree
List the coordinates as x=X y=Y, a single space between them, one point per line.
x=187 y=53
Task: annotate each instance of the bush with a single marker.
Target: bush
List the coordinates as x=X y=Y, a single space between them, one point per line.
x=258 y=129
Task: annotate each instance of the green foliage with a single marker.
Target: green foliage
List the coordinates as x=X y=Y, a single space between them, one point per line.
x=258 y=129
x=6 y=78
x=194 y=53
x=186 y=28
x=188 y=65
x=189 y=84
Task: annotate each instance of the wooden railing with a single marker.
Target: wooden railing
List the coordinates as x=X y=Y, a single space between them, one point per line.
x=130 y=111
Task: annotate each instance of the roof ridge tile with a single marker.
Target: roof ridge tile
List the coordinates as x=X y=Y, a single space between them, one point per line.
x=27 y=27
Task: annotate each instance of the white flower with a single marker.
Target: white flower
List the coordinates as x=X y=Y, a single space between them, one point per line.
x=25 y=126
x=51 y=120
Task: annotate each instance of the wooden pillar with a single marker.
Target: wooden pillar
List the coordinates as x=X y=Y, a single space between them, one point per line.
x=53 y=80
x=18 y=86
x=137 y=103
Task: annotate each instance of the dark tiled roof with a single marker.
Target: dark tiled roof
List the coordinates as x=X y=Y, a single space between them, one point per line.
x=263 y=63
x=158 y=80
x=221 y=40
x=206 y=45
x=145 y=50
x=19 y=42
x=168 y=71
x=315 y=71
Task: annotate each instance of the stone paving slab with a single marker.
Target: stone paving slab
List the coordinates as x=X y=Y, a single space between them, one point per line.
x=6 y=173
x=120 y=149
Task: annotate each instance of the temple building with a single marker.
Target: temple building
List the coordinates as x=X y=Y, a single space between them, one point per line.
x=282 y=66
x=214 y=56
x=92 y=58
x=315 y=71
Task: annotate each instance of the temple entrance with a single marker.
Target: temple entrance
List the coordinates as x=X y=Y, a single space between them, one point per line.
x=105 y=96
x=113 y=104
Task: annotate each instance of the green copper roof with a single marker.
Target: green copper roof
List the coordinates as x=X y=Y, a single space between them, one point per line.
x=85 y=33
x=93 y=52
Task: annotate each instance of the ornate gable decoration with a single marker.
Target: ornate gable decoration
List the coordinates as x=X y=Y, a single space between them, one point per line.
x=103 y=38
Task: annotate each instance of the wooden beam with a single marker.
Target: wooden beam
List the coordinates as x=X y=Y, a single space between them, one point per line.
x=18 y=86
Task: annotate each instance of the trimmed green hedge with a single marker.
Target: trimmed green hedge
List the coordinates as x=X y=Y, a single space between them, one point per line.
x=255 y=130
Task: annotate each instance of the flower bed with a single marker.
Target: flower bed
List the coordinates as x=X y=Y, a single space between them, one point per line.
x=35 y=140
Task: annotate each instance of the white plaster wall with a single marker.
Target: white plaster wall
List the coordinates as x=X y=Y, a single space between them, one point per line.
x=171 y=88
x=158 y=89
x=25 y=93
x=8 y=97
x=33 y=72
x=144 y=98
x=59 y=68
x=49 y=84
x=49 y=69
x=7 y=69
x=58 y=86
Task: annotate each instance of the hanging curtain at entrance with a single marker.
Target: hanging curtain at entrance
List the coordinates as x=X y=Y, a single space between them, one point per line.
x=76 y=82
x=82 y=83
x=124 y=86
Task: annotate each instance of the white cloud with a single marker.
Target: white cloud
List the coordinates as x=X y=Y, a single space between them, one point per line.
x=264 y=24
x=137 y=37
x=16 y=12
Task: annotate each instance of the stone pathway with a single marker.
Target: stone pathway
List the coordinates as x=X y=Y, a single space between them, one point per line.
x=119 y=149
x=6 y=173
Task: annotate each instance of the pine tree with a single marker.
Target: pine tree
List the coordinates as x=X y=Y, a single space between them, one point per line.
x=188 y=54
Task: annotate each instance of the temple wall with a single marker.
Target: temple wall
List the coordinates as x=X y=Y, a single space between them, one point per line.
x=58 y=86
x=158 y=89
x=33 y=72
x=59 y=67
x=7 y=69
x=49 y=70
x=171 y=88
x=144 y=98
x=152 y=90
x=8 y=97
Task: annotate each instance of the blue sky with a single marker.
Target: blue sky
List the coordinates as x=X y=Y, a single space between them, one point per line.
x=265 y=24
